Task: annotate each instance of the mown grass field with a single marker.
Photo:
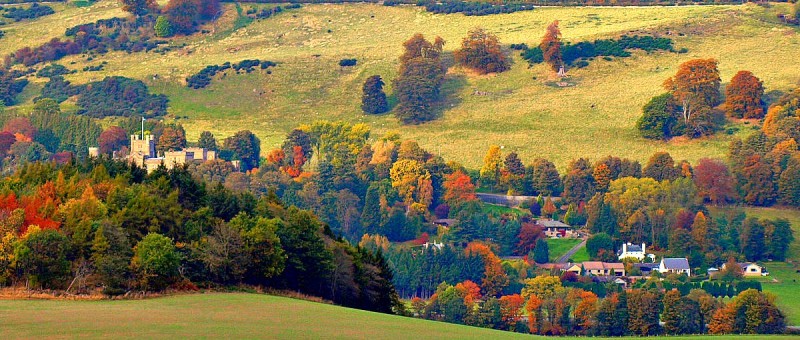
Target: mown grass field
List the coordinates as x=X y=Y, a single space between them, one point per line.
x=561 y=246
x=226 y=316
x=783 y=282
x=521 y=112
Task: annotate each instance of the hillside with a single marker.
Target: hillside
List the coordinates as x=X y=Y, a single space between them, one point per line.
x=225 y=315
x=516 y=109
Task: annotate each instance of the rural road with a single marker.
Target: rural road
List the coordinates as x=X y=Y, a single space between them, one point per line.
x=564 y=258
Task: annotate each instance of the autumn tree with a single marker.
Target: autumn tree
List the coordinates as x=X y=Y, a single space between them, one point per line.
x=494 y=277
x=511 y=310
x=112 y=139
x=373 y=99
x=551 y=46
x=681 y=315
x=579 y=183
x=714 y=181
x=458 y=189
x=644 y=309
x=183 y=15
x=695 y=86
x=492 y=164
x=743 y=96
x=481 y=51
x=585 y=311
x=421 y=75
x=750 y=312
x=661 y=167
x=172 y=138
x=139 y=7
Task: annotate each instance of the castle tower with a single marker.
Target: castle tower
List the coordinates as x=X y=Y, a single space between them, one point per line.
x=145 y=146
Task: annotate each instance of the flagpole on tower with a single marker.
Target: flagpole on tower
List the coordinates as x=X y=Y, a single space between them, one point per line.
x=142 y=127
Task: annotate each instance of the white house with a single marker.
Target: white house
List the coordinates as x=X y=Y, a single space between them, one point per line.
x=750 y=269
x=675 y=265
x=633 y=251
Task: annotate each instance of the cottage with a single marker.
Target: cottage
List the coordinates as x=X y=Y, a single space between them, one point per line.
x=633 y=251
x=750 y=269
x=556 y=229
x=598 y=268
x=675 y=265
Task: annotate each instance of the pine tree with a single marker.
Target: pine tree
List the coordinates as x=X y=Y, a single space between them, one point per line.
x=541 y=253
x=163 y=28
x=373 y=99
x=207 y=141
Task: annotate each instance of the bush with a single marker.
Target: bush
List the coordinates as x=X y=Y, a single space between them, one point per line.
x=347 y=62
x=53 y=70
x=575 y=54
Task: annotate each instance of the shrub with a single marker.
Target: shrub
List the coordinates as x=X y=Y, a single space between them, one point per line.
x=120 y=96
x=32 y=12
x=373 y=99
x=347 y=62
x=203 y=78
x=53 y=70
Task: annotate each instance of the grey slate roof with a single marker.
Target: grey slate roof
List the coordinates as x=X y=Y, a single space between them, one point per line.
x=552 y=224
x=676 y=263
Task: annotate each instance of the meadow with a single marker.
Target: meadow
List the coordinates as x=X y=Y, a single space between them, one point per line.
x=231 y=315
x=517 y=109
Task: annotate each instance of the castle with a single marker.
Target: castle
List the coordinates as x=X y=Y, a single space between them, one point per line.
x=143 y=154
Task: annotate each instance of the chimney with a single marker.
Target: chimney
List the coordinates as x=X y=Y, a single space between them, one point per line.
x=624 y=248
x=644 y=250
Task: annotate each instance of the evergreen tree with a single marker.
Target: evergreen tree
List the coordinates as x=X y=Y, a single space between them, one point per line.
x=207 y=141
x=541 y=253
x=753 y=243
x=373 y=99
x=163 y=28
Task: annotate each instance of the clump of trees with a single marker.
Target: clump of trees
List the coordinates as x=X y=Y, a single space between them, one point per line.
x=468 y=8
x=579 y=53
x=481 y=51
x=689 y=108
x=373 y=99
x=34 y=11
x=421 y=75
x=203 y=78
x=122 y=97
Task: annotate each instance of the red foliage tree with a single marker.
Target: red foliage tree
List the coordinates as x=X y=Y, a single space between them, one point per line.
x=714 y=181
x=112 y=139
x=458 y=189
x=20 y=125
x=495 y=278
x=470 y=290
x=551 y=46
x=743 y=96
x=528 y=234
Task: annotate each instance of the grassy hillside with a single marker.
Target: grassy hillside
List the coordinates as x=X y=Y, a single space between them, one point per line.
x=223 y=316
x=521 y=112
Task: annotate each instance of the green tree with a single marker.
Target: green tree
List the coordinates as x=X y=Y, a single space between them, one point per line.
x=780 y=238
x=263 y=247
x=753 y=239
x=207 y=141
x=418 y=85
x=598 y=243
x=246 y=148
x=41 y=257
x=788 y=185
x=162 y=28
x=373 y=99
x=111 y=255
x=156 y=261
x=658 y=117
x=644 y=307
x=579 y=183
x=543 y=178
x=541 y=252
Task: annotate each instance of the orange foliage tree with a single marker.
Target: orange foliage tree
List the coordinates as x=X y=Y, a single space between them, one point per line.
x=743 y=96
x=534 y=309
x=458 y=189
x=470 y=290
x=551 y=46
x=695 y=86
x=495 y=278
x=480 y=51
x=511 y=310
